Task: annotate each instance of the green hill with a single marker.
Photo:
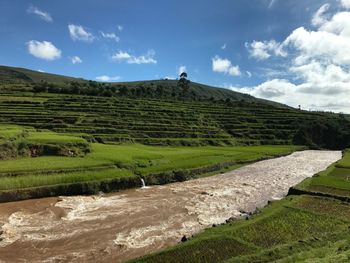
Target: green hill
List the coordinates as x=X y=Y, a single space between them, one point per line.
x=22 y=75
x=154 y=112
x=13 y=75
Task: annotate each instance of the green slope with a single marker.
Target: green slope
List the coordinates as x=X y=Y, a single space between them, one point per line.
x=22 y=75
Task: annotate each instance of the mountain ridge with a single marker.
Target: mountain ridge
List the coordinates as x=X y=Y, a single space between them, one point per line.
x=18 y=75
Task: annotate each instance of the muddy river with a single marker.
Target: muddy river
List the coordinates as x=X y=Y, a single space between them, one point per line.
x=132 y=223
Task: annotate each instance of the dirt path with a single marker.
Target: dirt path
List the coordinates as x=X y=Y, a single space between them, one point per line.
x=136 y=222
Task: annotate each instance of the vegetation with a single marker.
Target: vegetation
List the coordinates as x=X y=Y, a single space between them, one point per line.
x=304 y=228
x=331 y=134
x=335 y=181
x=159 y=113
x=16 y=141
x=156 y=164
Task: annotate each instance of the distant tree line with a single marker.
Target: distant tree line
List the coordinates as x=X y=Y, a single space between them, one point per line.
x=331 y=133
x=93 y=88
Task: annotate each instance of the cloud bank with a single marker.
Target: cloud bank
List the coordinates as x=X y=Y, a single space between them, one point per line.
x=317 y=60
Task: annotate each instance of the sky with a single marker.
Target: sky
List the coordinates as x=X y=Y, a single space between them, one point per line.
x=296 y=52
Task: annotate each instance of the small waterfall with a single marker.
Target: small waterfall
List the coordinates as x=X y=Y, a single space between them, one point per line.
x=143 y=185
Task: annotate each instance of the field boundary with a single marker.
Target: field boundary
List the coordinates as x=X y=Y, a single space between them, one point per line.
x=297 y=191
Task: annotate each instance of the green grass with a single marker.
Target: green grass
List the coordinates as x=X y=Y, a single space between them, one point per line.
x=154 y=158
x=22 y=182
x=134 y=158
x=11 y=131
x=345 y=161
x=335 y=180
x=53 y=138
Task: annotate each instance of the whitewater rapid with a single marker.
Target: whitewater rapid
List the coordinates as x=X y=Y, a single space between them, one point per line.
x=132 y=223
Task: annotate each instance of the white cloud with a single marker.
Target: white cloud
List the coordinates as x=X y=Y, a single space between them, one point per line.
x=319 y=17
x=249 y=74
x=223 y=65
x=339 y=24
x=262 y=50
x=40 y=70
x=308 y=95
x=105 y=78
x=224 y=46
x=120 y=28
x=112 y=36
x=318 y=66
x=122 y=56
x=43 y=15
x=170 y=77
x=78 y=32
x=320 y=45
x=44 y=50
x=181 y=69
x=345 y=3
x=76 y=60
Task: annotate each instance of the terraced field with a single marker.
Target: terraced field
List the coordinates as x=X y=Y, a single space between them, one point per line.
x=153 y=121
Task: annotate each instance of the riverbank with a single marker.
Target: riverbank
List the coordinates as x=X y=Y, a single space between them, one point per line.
x=310 y=225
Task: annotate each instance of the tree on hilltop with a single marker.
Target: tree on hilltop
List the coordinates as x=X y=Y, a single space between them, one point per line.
x=184 y=83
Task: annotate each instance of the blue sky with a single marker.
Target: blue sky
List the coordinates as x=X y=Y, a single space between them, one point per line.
x=251 y=46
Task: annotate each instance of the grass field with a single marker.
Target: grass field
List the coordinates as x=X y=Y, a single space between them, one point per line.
x=126 y=160
x=8 y=132
x=52 y=137
x=333 y=181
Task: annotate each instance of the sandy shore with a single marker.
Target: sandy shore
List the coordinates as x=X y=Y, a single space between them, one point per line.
x=132 y=223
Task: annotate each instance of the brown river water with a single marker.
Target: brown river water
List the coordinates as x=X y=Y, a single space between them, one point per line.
x=132 y=223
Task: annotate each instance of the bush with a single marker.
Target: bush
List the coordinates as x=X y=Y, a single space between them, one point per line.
x=320 y=134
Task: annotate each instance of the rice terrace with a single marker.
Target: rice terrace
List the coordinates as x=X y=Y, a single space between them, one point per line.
x=122 y=154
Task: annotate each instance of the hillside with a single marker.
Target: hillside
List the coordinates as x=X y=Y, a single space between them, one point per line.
x=149 y=112
x=13 y=75
x=21 y=75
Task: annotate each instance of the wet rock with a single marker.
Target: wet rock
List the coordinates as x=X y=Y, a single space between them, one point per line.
x=230 y=220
